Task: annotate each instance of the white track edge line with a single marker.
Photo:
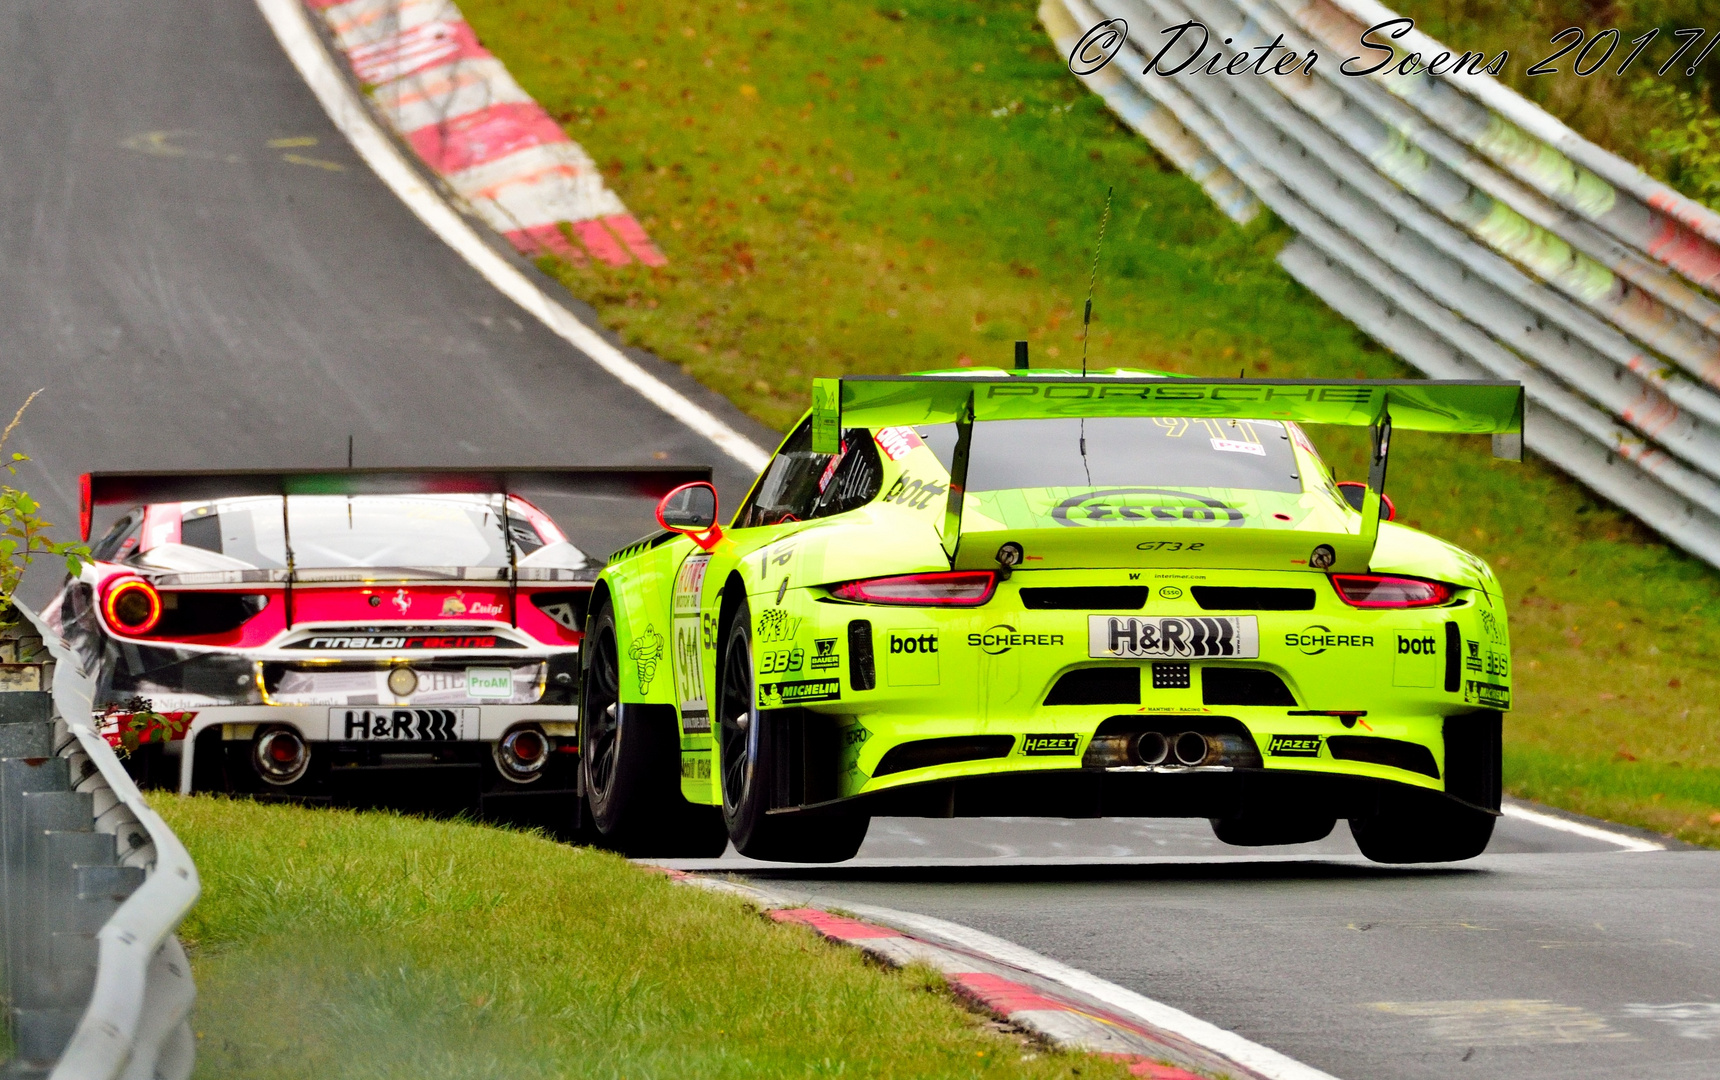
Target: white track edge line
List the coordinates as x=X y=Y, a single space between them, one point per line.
x=1263 y=1060
x=291 y=24
x=1577 y=828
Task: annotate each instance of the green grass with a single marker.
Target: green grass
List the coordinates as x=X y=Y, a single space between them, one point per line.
x=850 y=187
x=336 y=944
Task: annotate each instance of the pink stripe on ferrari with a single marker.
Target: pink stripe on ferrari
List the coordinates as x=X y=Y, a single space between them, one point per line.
x=485 y=135
x=601 y=243
x=425 y=46
x=633 y=235
x=836 y=927
x=544 y=240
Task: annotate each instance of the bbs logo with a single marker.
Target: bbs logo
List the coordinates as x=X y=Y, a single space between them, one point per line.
x=1417 y=645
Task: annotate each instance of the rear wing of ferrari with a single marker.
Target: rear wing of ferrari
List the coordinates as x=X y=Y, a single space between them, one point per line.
x=135 y=488
x=1464 y=407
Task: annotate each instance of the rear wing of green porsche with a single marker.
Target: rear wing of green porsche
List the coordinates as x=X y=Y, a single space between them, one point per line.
x=1459 y=407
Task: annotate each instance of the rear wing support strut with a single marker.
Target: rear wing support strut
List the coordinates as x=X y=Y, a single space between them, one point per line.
x=958 y=481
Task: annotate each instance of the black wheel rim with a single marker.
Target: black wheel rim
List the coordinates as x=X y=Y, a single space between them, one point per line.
x=739 y=713
x=602 y=726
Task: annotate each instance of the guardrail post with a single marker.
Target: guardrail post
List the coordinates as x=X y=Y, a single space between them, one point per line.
x=60 y=880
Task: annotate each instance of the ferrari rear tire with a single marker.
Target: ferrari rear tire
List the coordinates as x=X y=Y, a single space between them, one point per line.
x=1417 y=827
x=630 y=766
x=747 y=760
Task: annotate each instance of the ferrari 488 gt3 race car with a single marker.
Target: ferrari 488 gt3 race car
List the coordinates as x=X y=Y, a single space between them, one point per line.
x=1030 y=593
x=406 y=636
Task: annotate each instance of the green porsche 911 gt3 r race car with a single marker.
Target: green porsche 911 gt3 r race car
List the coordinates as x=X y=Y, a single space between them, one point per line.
x=988 y=592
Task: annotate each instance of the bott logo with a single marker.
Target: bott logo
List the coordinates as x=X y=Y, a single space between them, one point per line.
x=920 y=643
x=1417 y=646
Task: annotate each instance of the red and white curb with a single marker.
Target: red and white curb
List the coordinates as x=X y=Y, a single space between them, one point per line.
x=474 y=126
x=1062 y=1005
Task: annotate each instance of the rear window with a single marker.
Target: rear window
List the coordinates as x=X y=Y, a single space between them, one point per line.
x=1165 y=451
x=331 y=531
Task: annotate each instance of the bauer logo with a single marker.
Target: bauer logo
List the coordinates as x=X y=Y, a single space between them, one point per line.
x=1294 y=746
x=1049 y=745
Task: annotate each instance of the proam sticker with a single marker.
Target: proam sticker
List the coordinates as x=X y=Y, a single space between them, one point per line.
x=1049 y=745
x=1294 y=746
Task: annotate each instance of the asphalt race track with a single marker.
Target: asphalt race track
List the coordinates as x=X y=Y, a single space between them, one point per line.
x=1551 y=956
x=202 y=274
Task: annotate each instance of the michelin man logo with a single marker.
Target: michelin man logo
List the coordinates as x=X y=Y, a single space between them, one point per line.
x=645 y=651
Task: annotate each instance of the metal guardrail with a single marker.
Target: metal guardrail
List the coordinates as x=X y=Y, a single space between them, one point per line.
x=1463 y=228
x=92 y=885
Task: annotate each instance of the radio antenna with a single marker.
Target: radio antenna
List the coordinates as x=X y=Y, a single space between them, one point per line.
x=1092 y=281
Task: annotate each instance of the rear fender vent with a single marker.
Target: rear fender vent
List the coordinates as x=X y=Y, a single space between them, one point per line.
x=1242 y=686
x=1097 y=686
x=862 y=673
x=1411 y=757
x=1085 y=598
x=924 y=753
x=1243 y=598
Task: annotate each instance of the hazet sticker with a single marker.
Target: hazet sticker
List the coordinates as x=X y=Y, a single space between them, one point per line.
x=1196 y=636
x=1294 y=746
x=1049 y=745
x=1235 y=447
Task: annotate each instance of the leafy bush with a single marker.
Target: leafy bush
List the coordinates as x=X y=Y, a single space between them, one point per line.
x=23 y=530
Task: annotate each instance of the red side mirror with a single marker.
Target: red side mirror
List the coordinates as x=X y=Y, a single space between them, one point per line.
x=1354 y=491
x=691 y=509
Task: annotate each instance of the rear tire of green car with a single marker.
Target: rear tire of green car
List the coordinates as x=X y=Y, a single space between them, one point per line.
x=630 y=766
x=1417 y=827
x=747 y=758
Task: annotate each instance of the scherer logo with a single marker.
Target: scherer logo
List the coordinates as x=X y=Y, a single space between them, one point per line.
x=913 y=644
x=1001 y=638
x=1317 y=639
x=1126 y=506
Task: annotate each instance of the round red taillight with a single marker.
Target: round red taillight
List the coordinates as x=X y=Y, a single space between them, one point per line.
x=132 y=606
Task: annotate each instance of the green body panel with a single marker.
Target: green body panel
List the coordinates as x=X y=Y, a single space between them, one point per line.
x=987 y=670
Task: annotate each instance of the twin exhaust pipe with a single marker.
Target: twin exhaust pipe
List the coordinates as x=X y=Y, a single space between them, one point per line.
x=1189 y=749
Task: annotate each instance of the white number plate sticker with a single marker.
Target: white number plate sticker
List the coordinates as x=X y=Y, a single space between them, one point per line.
x=402 y=725
x=1191 y=637
x=489 y=682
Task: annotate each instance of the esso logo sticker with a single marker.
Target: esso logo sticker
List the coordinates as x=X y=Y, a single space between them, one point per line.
x=897 y=442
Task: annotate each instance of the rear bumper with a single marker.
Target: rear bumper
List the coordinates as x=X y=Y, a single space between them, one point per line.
x=1090 y=793
x=475 y=729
